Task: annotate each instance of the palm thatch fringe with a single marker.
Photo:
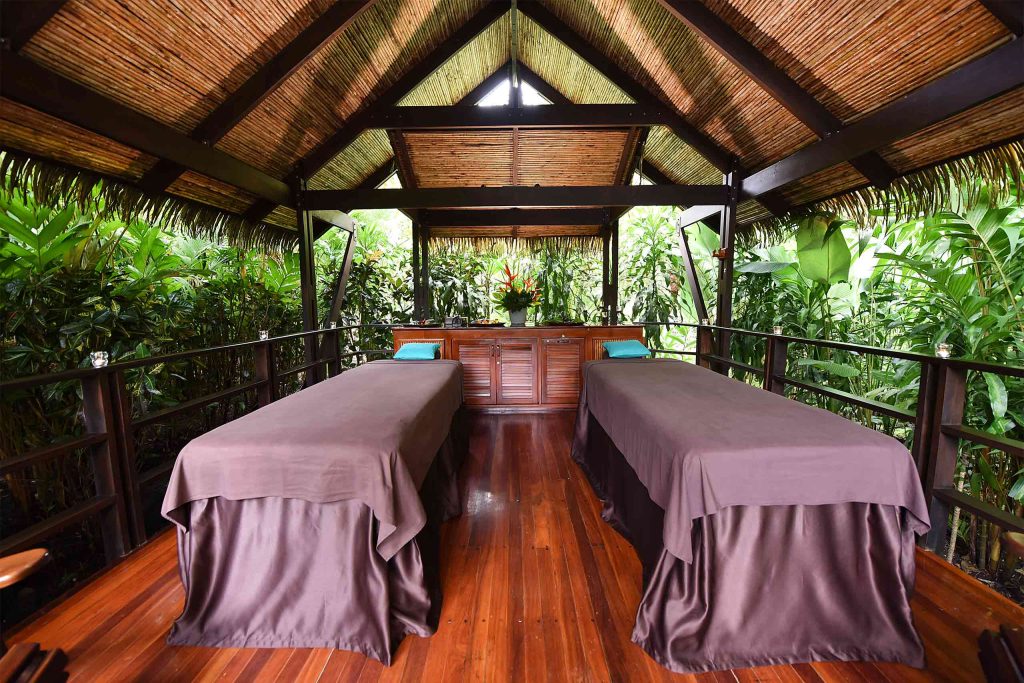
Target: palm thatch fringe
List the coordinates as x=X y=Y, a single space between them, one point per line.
x=55 y=184
x=953 y=185
x=564 y=246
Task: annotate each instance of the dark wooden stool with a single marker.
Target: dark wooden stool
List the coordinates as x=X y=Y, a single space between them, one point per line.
x=25 y=661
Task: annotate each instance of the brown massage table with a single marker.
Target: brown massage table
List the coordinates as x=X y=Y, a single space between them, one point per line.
x=313 y=521
x=770 y=531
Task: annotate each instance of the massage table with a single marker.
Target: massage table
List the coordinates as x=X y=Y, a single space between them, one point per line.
x=770 y=531
x=314 y=521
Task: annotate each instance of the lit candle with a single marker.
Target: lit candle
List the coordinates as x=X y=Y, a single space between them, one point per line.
x=777 y=329
x=943 y=350
x=100 y=359
x=264 y=335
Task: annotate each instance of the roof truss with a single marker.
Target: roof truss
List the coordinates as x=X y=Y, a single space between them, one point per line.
x=548 y=116
x=262 y=84
x=957 y=91
x=459 y=218
x=773 y=80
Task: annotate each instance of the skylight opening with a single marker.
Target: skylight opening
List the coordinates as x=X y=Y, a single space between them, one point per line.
x=499 y=96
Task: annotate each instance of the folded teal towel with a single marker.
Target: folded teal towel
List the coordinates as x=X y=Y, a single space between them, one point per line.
x=626 y=349
x=417 y=351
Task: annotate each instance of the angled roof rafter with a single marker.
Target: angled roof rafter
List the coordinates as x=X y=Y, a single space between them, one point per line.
x=1009 y=12
x=967 y=86
x=35 y=86
x=263 y=83
x=352 y=127
x=546 y=90
x=773 y=80
x=690 y=134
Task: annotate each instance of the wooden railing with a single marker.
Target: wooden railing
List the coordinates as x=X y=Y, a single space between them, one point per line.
x=937 y=421
x=111 y=432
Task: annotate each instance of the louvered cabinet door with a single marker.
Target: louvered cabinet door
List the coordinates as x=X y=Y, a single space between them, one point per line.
x=560 y=370
x=478 y=357
x=517 y=372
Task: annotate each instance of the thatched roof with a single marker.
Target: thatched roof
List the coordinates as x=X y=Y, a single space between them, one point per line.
x=178 y=67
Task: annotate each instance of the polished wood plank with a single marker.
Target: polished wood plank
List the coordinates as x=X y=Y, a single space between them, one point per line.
x=537 y=587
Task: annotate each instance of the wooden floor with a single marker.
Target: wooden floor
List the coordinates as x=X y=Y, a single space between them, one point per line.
x=537 y=587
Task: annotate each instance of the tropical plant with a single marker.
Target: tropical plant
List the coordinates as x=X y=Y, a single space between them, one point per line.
x=516 y=293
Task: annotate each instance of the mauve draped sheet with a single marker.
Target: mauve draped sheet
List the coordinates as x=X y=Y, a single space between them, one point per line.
x=314 y=521
x=770 y=532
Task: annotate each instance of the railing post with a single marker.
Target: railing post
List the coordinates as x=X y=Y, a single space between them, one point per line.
x=98 y=417
x=705 y=345
x=122 y=401
x=333 y=353
x=948 y=408
x=924 y=432
x=775 y=357
x=266 y=372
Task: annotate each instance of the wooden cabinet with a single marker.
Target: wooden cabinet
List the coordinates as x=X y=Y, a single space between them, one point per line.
x=517 y=371
x=523 y=368
x=561 y=375
x=478 y=357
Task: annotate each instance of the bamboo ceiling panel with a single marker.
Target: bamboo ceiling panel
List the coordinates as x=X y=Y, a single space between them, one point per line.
x=855 y=56
x=32 y=131
x=284 y=217
x=659 y=51
x=467 y=69
x=355 y=163
x=563 y=69
x=998 y=120
x=370 y=55
x=677 y=160
x=174 y=61
x=473 y=158
x=213 y=192
x=823 y=184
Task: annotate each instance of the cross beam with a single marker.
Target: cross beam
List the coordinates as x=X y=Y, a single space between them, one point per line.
x=517 y=196
x=773 y=80
x=968 y=86
x=550 y=116
x=262 y=84
x=458 y=218
x=19 y=21
x=35 y=86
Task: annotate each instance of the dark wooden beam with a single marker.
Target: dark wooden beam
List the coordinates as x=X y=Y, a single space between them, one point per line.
x=690 y=272
x=263 y=83
x=968 y=86
x=1010 y=12
x=773 y=80
x=338 y=298
x=307 y=278
x=631 y=153
x=697 y=213
x=517 y=196
x=486 y=85
x=551 y=116
x=19 y=21
x=26 y=82
x=548 y=91
x=704 y=145
x=356 y=124
x=629 y=85
x=457 y=218
x=726 y=259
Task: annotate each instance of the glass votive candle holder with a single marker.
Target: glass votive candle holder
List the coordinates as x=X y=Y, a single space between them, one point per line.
x=99 y=359
x=943 y=350
x=705 y=321
x=777 y=330
x=264 y=335
x=334 y=325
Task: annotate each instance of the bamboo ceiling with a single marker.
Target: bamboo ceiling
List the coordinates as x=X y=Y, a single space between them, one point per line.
x=176 y=65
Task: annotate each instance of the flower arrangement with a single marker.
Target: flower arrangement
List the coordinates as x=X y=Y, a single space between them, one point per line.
x=516 y=293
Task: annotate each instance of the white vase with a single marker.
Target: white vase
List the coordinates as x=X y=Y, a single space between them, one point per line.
x=517 y=318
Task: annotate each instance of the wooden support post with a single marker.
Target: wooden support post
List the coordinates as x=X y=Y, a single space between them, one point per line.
x=775 y=356
x=327 y=346
x=613 y=283
x=266 y=372
x=606 y=263
x=307 y=280
x=122 y=401
x=690 y=271
x=725 y=262
x=98 y=412
x=417 y=282
x=425 y=265
x=948 y=409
